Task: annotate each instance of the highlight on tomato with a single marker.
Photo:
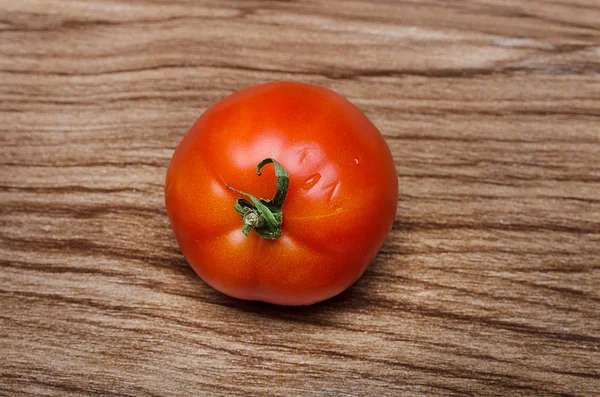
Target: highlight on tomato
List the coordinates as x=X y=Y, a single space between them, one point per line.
x=282 y=192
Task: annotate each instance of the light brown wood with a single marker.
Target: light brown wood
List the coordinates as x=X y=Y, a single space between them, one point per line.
x=487 y=285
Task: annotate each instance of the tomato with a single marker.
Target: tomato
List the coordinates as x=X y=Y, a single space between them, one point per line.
x=305 y=224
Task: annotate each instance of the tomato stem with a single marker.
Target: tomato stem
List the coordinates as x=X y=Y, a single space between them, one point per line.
x=264 y=216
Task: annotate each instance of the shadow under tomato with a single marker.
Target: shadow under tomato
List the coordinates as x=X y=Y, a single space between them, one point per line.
x=360 y=297
x=365 y=297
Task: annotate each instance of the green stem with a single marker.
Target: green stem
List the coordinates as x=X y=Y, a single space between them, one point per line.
x=264 y=216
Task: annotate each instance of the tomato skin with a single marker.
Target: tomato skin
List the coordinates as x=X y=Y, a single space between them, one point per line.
x=340 y=206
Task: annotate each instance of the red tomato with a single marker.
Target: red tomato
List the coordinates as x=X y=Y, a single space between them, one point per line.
x=324 y=224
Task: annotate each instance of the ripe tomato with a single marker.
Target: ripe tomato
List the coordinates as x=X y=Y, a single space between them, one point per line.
x=331 y=176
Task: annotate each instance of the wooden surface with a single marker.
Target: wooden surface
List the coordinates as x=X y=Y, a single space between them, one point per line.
x=489 y=281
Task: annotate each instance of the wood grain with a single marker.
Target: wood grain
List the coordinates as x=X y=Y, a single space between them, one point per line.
x=487 y=285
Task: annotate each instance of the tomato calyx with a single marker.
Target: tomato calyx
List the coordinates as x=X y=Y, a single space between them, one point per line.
x=262 y=215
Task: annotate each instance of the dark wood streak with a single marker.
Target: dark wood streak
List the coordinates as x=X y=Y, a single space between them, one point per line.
x=486 y=286
x=337 y=74
x=592 y=228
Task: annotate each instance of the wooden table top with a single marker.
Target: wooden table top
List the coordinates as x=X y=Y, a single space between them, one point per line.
x=488 y=283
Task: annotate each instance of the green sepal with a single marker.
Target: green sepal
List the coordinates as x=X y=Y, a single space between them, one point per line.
x=267 y=215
